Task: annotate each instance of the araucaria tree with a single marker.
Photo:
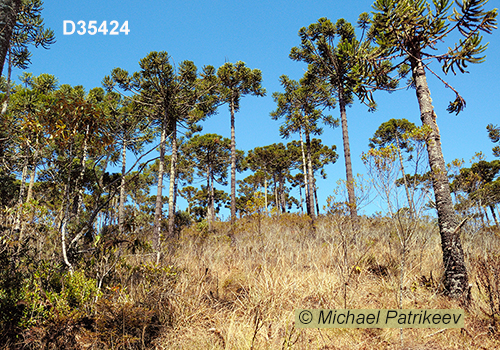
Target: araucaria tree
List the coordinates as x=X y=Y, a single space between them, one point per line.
x=209 y=154
x=172 y=98
x=237 y=80
x=409 y=31
x=302 y=106
x=334 y=54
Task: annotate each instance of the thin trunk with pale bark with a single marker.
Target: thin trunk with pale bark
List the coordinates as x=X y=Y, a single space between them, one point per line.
x=173 y=174
x=310 y=197
x=233 y=168
x=403 y=173
x=121 y=206
x=210 y=201
x=347 y=157
x=159 y=199
x=82 y=173
x=304 y=167
x=265 y=190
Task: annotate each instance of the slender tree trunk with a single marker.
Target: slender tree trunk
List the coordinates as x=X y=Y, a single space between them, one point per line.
x=65 y=214
x=233 y=168
x=6 y=100
x=8 y=16
x=159 y=199
x=494 y=215
x=348 y=165
x=17 y=225
x=455 y=279
x=281 y=193
x=310 y=197
x=29 y=196
x=301 y=200
x=82 y=173
x=485 y=214
x=304 y=167
x=316 y=196
x=265 y=190
x=210 y=200
x=407 y=189
x=212 y=197
x=173 y=174
x=121 y=206
x=276 y=203
x=33 y=173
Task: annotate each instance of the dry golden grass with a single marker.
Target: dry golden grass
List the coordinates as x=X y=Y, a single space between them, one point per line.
x=241 y=293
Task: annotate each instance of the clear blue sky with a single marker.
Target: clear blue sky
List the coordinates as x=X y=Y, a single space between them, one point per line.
x=260 y=33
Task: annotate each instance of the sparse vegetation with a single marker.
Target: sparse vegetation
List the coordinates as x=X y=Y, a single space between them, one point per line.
x=215 y=293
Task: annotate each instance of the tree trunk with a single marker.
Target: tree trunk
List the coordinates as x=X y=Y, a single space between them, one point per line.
x=486 y=214
x=33 y=173
x=121 y=206
x=233 y=168
x=171 y=191
x=265 y=190
x=348 y=166
x=8 y=17
x=310 y=197
x=65 y=214
x=159 y=199
x=304 y=167
x=301 y=200
x=316 y=196
x=210 y=200
x=17 y=225
x=455 y=279
x=494 y=215
x=407 y=189
x=281 y=194
x=276 y=202
x=82 y=173
x=6 y=100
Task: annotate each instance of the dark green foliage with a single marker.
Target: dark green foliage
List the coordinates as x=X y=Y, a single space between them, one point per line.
x=481 y=182
x=29 y=30
x=414 y=28
x=391 y=132
x=494 y=135
x=334 y=53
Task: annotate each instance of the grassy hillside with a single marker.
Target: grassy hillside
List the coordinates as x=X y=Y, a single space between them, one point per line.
x=213 y=292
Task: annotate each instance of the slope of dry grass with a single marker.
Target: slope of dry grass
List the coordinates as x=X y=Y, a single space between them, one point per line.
x=241 y=294
x=216 y=292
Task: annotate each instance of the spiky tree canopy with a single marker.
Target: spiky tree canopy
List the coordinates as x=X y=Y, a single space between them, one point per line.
x=412 y=28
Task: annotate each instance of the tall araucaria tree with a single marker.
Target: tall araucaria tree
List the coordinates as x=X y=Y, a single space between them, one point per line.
x=335 y=55
x=300 y=106
x=131 y=129
x=237 y=80
x=209 y=154
x=409 y=32
x=173 y=98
